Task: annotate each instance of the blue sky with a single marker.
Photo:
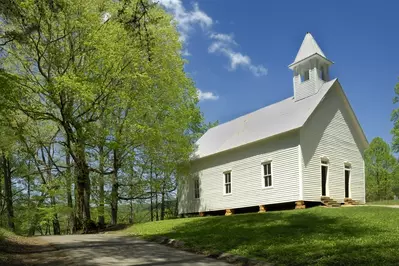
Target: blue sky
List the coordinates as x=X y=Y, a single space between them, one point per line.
x=238 y=53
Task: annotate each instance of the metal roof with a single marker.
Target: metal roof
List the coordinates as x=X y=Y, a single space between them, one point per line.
x=266 y=122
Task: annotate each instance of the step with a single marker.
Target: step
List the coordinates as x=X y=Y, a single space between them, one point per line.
x=325 y=198
x=335 y=205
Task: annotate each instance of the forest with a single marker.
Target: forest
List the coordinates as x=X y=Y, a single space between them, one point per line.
x=97 y=115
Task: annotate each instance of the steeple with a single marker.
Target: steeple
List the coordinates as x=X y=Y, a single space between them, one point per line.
x=310 y=68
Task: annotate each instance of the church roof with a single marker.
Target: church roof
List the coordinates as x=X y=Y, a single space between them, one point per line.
x=266 y=122
x=308 y=48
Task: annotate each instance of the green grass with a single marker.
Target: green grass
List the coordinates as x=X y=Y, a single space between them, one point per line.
x=384 y=202
x=316 y=236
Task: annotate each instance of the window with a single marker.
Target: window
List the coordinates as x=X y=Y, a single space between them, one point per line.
x=305 y=76
x=267 y=174
x=347 y=179
x=227 y=183
x=196 y=188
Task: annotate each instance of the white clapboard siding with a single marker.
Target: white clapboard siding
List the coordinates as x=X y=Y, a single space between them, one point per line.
x=245 y=164
x=330 y=132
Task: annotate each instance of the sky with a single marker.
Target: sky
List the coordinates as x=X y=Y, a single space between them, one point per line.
x=238 y=53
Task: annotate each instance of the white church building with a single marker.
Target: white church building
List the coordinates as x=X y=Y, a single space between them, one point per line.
x=303 y=150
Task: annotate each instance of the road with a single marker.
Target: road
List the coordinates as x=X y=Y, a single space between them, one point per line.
x=109 y=249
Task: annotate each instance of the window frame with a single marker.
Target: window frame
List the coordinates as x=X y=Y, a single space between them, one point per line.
x=225 y=183
x=197 y=188
x=271 y=174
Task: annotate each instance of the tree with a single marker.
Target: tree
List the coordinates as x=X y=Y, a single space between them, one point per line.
x=395 y=120
x=381 y=166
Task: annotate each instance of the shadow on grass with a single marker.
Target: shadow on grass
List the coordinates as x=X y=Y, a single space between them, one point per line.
x=318 y=236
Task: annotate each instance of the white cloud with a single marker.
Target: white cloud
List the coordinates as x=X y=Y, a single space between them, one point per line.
x=258 y=70
x=203 y=96
x=223 y=44
x=187 y=19
x=226 y=38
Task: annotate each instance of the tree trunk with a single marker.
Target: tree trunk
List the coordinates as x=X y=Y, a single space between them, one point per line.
x=32 y=224
x=40 y=230
x=8 y=192
x=176 y=211
x=131 y=206
x=163 y=202
x=156 y=206
x=48 y=228
x=114 y=204
x=101 y=220
x=151 y=207
x=56 y=222
x=78 y=151
x=83 y=186
x=76 y=146
x=131 y=212
x=71 y=220
x=114 y=190
x=177 y=206
x=151 y=200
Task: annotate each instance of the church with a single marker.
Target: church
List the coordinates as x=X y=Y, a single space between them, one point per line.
x=304 y=150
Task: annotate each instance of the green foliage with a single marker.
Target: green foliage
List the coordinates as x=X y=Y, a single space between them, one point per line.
x=381 y=167
x=83 y=76
x=395 y=119
x=316 y=236
x=4 y=234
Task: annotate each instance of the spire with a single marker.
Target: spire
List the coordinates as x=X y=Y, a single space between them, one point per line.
x=308 y=48
x=310 y=69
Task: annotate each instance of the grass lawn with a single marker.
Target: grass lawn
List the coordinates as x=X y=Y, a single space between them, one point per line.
x=384 y=202
x=315 y=236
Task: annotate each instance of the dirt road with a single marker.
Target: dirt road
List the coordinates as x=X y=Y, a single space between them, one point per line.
x=108 y=249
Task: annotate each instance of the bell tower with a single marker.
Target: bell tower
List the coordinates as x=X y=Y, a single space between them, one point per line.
x=311 y=69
